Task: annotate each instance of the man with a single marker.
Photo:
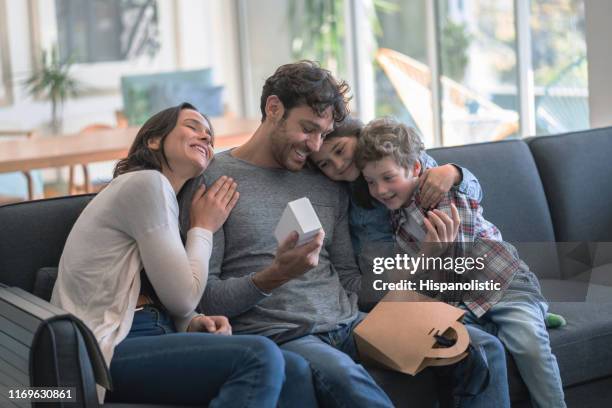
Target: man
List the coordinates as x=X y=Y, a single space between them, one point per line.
x=305 y=298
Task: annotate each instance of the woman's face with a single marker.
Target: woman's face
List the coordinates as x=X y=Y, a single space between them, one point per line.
x=335 y=158
x=188 y=146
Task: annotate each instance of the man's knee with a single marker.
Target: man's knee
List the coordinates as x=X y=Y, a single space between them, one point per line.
x=296 y=366
x=492 y=346
x=339 y=369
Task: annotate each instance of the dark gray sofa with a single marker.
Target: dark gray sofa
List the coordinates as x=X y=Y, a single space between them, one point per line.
x=538 y=192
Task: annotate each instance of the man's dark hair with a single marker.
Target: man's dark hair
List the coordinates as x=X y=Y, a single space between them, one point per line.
x=306 y=83
x=140 y=155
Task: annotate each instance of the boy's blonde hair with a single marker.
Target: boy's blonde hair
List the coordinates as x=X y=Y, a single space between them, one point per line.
x=386 y=137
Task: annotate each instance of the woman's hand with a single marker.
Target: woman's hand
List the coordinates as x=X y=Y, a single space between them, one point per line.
x=210 y=209
x=210 y=324
x=441 y=231
x=436 y=182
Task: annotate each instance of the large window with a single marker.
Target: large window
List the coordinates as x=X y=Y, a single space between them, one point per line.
x=91 y=31
x=106 y=39
x=460 y=71
x=478 y=70
x=294 y=30
x=401 y=72
x=559 y=65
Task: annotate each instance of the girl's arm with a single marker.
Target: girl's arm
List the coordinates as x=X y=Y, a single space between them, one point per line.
x=436 y=181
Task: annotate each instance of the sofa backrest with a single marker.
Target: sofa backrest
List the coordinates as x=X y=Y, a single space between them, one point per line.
x=576 y=171
x=33 y=235
x=513 y=197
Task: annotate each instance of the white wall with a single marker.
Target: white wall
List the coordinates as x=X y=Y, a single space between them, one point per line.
x=201 y=34
x=598 y=14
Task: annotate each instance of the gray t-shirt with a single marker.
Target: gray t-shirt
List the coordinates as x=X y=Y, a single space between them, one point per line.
x=320 y=300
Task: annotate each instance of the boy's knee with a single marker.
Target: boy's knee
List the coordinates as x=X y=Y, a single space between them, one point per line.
x=531 y=347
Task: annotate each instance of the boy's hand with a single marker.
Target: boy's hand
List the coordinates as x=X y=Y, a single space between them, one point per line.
x=436 y=182
x=441 y=231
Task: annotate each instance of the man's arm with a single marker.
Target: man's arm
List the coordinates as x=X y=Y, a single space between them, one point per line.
x=234 y=296
x=229 y=297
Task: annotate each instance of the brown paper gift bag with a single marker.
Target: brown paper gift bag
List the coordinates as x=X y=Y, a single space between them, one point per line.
x=399 y=333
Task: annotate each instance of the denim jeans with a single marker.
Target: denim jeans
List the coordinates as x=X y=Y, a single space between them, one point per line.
x=339 y=380
x=497 y=393
x=154 y=364
x=518 y=321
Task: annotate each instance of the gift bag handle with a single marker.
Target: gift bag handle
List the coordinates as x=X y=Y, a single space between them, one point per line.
x=463 y=340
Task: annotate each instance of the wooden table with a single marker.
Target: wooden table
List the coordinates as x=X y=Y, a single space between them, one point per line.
x=65 y=150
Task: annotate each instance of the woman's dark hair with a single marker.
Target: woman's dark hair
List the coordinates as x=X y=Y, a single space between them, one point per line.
x=306 y=83
x=141 y=156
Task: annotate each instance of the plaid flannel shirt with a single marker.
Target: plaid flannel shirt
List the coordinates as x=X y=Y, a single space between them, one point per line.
x=477 y=237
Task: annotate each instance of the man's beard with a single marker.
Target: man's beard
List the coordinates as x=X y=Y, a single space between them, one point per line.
x=281 y=149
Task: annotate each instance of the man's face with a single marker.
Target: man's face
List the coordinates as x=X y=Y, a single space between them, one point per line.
x=297 y=136
x=390 y=183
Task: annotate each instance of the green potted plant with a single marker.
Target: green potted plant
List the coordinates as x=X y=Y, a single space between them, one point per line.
x=53 y=81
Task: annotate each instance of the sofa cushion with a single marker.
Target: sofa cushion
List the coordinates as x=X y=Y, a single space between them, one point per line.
x=33 y=235
x=44 y=282
x=576 y=169
x=582 y=347
x=513 y=197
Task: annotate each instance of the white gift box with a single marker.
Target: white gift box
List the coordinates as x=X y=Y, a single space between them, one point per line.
x=300 y=216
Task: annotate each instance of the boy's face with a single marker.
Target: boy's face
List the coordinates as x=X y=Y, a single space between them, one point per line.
x=390 y=183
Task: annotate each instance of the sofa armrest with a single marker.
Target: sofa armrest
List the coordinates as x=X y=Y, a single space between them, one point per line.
x=48 y=347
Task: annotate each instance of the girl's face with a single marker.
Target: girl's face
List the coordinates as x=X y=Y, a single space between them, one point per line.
x=335 y=158
x=188 y=146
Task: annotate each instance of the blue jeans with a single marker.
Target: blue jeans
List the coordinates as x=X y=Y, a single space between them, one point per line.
x=341 y=382
x=338 y=379
x=154 y=364
x=497 y=393
x=518 y=321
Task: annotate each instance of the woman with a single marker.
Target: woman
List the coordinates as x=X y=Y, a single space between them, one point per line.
x=126 y=273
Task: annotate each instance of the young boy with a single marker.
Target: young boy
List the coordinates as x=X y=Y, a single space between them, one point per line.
x=388 y=155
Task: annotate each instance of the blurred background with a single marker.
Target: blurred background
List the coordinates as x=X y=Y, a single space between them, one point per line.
x=461 y=71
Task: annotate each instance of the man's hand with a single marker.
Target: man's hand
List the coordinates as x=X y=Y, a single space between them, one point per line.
x=210 y=324
x=290 y=262
x=441 y=231
x=436 y=182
